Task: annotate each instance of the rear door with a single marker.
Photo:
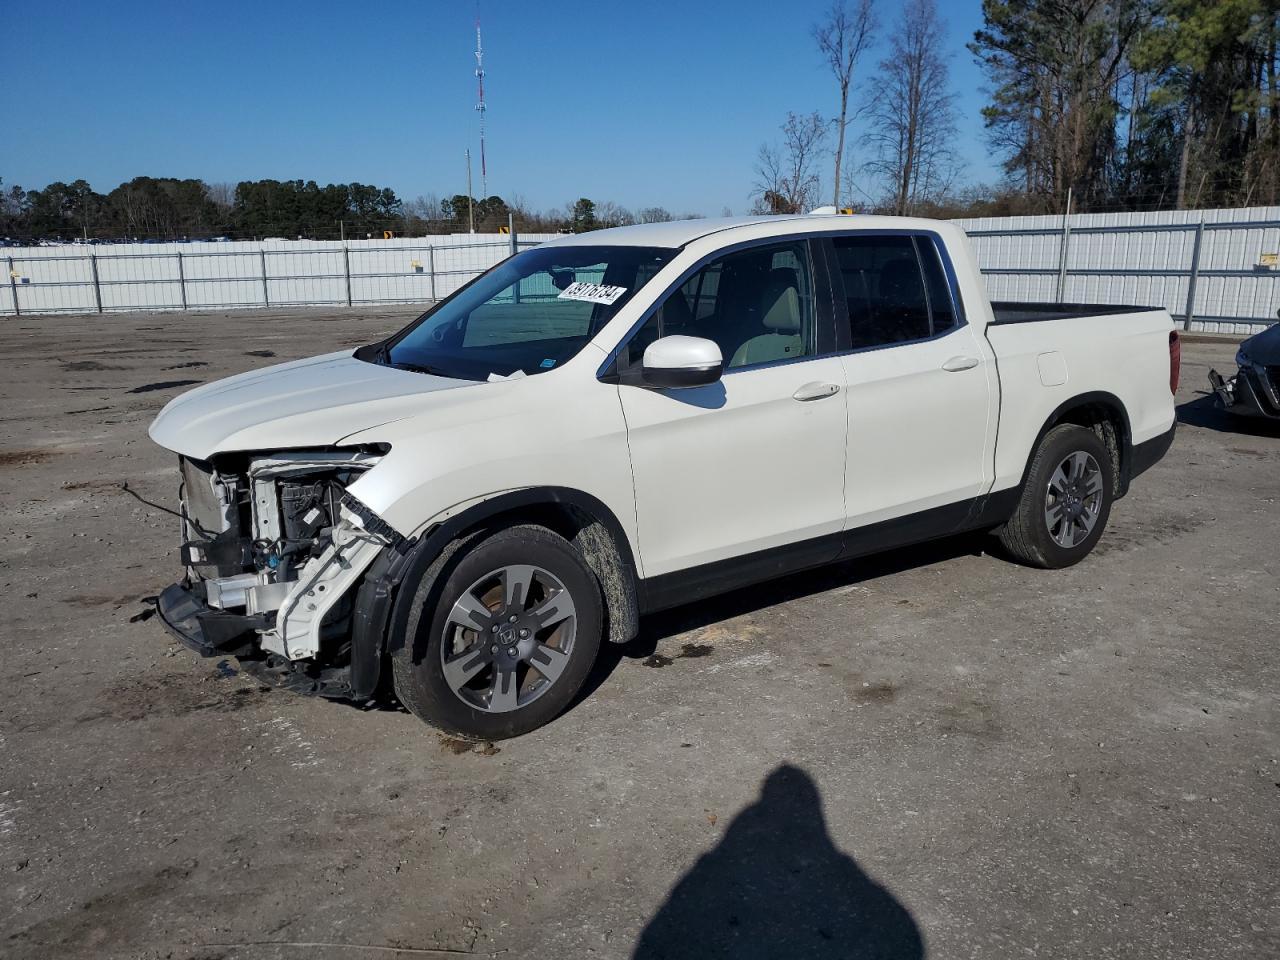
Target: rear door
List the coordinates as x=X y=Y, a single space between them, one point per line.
x=757 y=460
x=922 y=385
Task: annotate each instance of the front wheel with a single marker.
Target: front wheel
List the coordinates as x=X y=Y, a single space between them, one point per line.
x=501 y=637
x=1065 y=502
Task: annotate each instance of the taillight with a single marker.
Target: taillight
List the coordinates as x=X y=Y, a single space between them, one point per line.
x=1175 y=361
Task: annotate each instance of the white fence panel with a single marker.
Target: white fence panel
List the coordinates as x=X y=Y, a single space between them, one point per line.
x=1147 y=259
x=73 y=278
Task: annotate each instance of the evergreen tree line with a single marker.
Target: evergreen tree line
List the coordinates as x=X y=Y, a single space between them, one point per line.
x=164 y=208
x=1135 y=104
x=1124 y=104
x=150 y=208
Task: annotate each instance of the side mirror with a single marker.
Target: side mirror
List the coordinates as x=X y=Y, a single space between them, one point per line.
x=678 y=361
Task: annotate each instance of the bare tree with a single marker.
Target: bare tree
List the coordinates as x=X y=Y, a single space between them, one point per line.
x=653 y=215
x=854 y=189
x=610 y=214
x=768 y=189
x=842 y=38
x=785 y=177
x=13 y=201
x=223 y=195
x=423 y=207
x=530 y=220
x=913 y=113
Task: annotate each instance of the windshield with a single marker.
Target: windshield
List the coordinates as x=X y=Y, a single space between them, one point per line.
x=530 y=313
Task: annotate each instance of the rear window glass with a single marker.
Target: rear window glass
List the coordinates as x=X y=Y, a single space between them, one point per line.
x=895 y=289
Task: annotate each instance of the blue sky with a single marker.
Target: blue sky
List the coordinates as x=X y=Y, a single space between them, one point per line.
x=656 y=103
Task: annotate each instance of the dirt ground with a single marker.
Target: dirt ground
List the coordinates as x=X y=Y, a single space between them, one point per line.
x=931 y=753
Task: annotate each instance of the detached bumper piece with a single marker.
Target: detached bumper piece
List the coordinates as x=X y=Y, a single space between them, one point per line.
x=1252 y=392
x=209 y=632
x=304 y=678
x=216 y=633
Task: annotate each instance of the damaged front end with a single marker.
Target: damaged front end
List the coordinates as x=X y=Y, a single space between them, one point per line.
x=1253 y=392
x=1255 y=389
x=274 y=547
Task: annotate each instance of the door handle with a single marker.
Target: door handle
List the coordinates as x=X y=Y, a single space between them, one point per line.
x=816 y=391
x=956 y=364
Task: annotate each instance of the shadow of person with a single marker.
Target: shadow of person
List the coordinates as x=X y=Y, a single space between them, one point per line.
x=775 y=886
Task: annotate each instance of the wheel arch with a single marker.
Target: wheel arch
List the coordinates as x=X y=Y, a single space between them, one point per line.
x=582 y=519
x=1106 y=415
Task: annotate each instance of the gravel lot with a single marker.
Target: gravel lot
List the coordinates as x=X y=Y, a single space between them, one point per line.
x=931 y=753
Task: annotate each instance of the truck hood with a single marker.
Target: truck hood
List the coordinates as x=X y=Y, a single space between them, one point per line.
x=307 y=403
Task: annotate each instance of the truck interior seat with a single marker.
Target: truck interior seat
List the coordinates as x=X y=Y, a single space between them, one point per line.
x=781 y=317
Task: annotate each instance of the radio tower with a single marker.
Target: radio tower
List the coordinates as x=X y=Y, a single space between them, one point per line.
x=480 y=107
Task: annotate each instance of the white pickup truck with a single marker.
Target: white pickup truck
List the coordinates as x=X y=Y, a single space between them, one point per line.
x=622 y=421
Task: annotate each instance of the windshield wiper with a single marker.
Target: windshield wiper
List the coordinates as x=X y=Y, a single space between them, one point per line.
x=417 y=368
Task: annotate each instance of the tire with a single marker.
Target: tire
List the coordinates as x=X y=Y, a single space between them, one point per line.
x=485 y=620
x=1061 y=515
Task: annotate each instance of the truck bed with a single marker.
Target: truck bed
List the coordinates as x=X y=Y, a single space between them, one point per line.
x=1014 y=311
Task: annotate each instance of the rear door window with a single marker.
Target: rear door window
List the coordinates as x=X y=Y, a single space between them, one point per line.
x=941 y=309
x=895 y=290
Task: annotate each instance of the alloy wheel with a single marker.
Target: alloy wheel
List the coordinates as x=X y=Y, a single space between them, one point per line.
x=508 y=638
x=1073 y=499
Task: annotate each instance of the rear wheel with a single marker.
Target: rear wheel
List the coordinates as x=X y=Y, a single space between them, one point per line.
x=500 y=636
x=1065 y=502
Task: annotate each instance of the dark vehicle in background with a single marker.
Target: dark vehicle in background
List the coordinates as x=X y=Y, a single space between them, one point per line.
x=1255 y=389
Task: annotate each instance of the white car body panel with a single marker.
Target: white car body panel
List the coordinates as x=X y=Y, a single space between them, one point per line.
x=1123 y=354
x=559 y=429
x=948 y=416
x=306 y=403
x=742 y=458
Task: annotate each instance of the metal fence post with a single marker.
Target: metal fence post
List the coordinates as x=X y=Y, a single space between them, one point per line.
x=266 y=297
x=1195 y=276
x=515 y=248
x=346 y=270
x=182 y=280
x=97 y=287
x=13 y=287
x=431 y=267
x=1063 y=249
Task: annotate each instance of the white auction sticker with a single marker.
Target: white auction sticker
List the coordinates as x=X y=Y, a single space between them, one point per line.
x=592 y=292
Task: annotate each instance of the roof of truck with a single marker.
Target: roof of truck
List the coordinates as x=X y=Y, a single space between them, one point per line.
x=678 y=233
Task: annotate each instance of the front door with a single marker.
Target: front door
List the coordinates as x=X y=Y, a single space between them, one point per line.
x=753 y=465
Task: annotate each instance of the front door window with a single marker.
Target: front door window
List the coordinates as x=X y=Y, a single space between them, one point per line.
x=756 y=304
